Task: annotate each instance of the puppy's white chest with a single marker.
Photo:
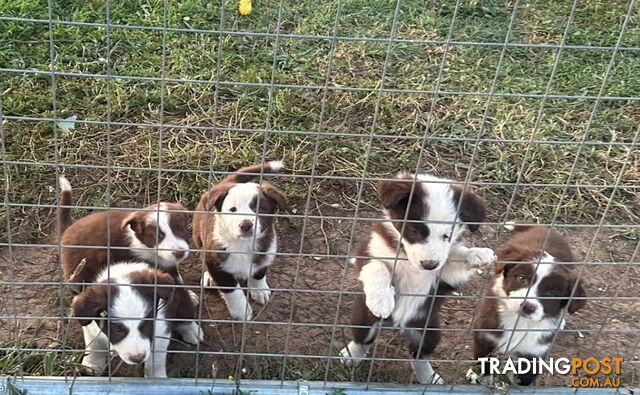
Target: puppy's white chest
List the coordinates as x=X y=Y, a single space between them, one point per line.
x=240 y=257
x=412 y=288
x=529 y=336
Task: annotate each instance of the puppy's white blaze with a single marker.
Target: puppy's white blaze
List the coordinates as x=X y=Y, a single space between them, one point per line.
x=510 y=225
x=239 y=197
x=166 y=247
x=65 y=185
x=171 y=242
x=441 y=220
x=518 y=297
x=530 y=330
x=129 y=309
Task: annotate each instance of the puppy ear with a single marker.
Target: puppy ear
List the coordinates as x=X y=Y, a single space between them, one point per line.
x=91 y=303
x=395 y=194
x=215 y=197
x=166 y=291
x=274 y=195
x=148 y=278
x=577 y=304
x=136 y=221
x=507 y=254
x=472 y=208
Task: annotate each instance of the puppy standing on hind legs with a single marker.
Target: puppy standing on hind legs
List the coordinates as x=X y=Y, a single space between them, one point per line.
x=239 y=240
x=405 y=292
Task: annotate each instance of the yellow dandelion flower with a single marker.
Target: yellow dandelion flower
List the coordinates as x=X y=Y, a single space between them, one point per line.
x=244 y=7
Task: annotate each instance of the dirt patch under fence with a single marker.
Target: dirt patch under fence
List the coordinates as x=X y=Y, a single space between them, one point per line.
x=300 y=323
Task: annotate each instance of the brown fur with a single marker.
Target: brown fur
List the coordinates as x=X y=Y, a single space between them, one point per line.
x=525 y=246
x=100 y=237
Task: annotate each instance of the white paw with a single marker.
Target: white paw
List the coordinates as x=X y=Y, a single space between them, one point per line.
x=159 y=372
x=353 y=354
x=242 y=313
x=382 y=302
x=195 y=299
x=436 y=379
x=425 y=373
x=207 y=280
x=191 y=333
x=480 y=256
x=472 y=376
x=94 y=365
x=260 y=295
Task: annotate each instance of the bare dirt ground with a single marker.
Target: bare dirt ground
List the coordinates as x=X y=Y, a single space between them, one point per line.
x=300 y=324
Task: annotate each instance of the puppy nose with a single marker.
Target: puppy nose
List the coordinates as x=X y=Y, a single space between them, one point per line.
x=180 y=254
x=137 y=358
x=429 y=264
x=246 y=226
x=527 y=308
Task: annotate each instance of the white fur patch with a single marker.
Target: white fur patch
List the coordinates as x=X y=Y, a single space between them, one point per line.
x=353 y=354
x=379 y=293
x=238 y=305
x=276 y=165
x=65 y=185
x=191 y=332
x=425 y=373
x=259 y=290
x=510 y=225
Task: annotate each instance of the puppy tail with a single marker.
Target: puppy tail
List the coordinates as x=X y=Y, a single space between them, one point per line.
x=249 y=173
x=517 y=226
x=65 y=201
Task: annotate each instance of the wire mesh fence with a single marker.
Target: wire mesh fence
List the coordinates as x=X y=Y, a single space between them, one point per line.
x=533 y=106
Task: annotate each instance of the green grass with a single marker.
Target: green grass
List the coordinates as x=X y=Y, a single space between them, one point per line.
x=138 y=53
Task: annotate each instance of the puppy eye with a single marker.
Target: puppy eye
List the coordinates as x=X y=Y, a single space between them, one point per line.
x=233 y=209
x=117 y=330
x=522 y=279
x=551 y=293
x=160 y=235
x=445 y=237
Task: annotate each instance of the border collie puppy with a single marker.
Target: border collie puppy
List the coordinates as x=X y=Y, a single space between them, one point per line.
x=145 y=236
x=530 y=288
x=238 y=242
x=402 y=290
x=137 y=328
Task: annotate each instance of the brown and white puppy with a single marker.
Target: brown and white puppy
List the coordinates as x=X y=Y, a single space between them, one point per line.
x=531 y=287
x=157 y=233
x=239 y=242
x=120 y=312
x=402 y=290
